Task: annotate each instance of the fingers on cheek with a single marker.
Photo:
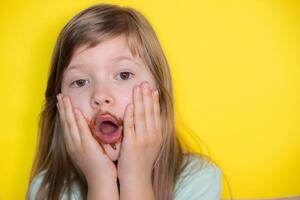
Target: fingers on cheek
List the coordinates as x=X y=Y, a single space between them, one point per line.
x=149 y=108
x=68 y=112
x=71 y=122
x=129 y=123
x=64 y=126
x=139 y=116
x=138 y=106
x=76 y=131
x=62 y=117
x=85 y=134
x=157 y=110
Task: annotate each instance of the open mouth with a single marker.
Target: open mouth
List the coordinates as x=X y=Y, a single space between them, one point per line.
x=107 y=129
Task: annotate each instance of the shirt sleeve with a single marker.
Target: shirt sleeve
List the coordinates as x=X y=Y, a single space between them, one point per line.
x=203 y=184
x=35 y=185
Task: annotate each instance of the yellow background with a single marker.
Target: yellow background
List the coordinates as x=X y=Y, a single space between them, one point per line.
x=236 y=72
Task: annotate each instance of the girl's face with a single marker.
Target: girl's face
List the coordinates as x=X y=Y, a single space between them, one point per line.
x=103 y=78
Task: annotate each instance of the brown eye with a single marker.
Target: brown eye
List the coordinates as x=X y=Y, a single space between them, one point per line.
x=125 y=75
x=79 y=83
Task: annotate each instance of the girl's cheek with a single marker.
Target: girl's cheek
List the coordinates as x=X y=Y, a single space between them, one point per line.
x=77 y=100
x=124 y=97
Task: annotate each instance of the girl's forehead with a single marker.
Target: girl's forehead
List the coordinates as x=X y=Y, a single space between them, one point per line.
x=113 y=49
x=114 y=45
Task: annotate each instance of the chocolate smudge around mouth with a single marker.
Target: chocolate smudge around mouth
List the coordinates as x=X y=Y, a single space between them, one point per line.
x=118 y=120
x=113 y=146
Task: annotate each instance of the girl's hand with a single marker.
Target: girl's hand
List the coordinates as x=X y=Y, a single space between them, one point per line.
x=142 y=136
x=84 y=150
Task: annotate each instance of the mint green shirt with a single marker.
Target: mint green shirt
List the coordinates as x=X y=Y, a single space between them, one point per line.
x=200 y=180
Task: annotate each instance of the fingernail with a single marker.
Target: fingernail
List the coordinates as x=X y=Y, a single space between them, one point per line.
x=138 y=89
x=65 y=98
x=145 y=84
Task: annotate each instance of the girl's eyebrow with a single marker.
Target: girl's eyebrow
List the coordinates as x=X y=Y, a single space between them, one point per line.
x=74 y=67
x=118 y=58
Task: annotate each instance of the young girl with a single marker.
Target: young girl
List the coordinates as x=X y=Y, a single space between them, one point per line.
x=107 y=129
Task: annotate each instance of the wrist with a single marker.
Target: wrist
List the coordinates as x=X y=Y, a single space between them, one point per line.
x=96 y=182
x=136 y=179
x=102 y=190
x=136 y=188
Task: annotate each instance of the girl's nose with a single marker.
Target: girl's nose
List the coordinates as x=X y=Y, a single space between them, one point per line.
x=100 y=100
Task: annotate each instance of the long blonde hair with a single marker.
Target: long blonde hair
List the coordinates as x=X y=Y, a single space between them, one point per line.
x=89 y=27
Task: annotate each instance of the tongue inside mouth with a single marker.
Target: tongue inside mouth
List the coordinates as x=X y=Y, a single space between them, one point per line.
x=108 y=127
x=106 y=131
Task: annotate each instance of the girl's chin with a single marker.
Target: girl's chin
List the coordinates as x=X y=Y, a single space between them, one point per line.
x=111 y=152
